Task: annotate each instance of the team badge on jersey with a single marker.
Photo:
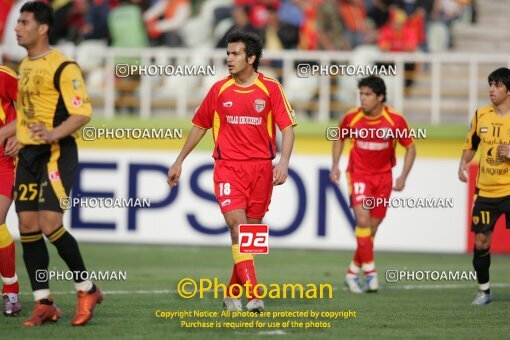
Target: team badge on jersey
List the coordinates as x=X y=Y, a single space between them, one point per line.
x=476 y=219
x=260 y=104
x=54 y=176
x=76 y=84
x=77 y=101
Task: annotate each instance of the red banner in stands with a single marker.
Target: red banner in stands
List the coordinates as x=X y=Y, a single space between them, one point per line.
x=501 y=236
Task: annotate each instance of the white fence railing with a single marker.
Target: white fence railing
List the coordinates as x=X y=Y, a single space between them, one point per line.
x=464 y=74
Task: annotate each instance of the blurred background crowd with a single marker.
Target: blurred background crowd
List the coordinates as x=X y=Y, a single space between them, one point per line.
x=394 y=25
x=350 y=31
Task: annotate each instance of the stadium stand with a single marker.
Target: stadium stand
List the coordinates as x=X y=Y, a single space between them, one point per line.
x=472 y=28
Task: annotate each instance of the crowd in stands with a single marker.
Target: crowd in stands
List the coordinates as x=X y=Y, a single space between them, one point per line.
x=393 y=25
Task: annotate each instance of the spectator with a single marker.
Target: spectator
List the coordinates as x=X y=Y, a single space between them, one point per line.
x=279 y=35
x=290 y=12
x=380 y=12
x=258 y=11
x=420 y=13
x=417 y=22
x=308 y=37
x=449 y=12
x=353 y=17
x=70 y=21
x=125 y=24
x=398 y=36
x=97 y=18
x=330 y=30
x=241 y=23
x=175 y=14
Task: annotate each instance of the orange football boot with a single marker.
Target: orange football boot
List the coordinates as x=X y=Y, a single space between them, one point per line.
x=43 y=313
x=85 y=306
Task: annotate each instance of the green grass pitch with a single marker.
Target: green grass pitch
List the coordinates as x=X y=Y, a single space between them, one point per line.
x=411 y=309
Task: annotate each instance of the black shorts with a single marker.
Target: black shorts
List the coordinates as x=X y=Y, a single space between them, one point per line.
x=45 y=175
x=486 y=212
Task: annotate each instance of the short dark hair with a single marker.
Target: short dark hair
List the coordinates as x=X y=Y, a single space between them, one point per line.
x=43 y=13
x=375 y=83
x=501 y=75
x=252 y=43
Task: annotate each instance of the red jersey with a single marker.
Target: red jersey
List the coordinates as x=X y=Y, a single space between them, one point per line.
x=243 y=118
x=8 y=96
x=374 y=139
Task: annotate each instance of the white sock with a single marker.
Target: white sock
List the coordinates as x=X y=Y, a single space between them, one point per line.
x=368 y=267
x=484 y=286
x=83 y=286
x=41 y=294
x=354 y=269
x=10 y=280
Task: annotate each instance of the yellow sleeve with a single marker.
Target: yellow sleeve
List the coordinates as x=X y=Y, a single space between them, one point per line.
x=472 y=139
x=74 y=93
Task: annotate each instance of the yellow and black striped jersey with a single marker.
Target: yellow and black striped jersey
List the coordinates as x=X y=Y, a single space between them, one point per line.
x=488 y=130
x=50 y=88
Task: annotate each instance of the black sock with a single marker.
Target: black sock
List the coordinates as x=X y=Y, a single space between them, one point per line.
x=481 y=263
x=93 y=289
x=35 y=255
x=69 y=251
x=46 y=302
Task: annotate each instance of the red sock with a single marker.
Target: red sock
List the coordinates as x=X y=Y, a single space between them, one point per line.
x=234 y=280
x=8 y=269
x=357 y=258
x=246 y=273
x=356 y=262
x=366 y=253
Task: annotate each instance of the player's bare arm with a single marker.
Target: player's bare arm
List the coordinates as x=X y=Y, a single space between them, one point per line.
x=12 y=147
x=70 y=125
x=467 y=156
x=8 y=133
x=409 y=158
x=195 y=135
x=281 y=170
x=334 y=175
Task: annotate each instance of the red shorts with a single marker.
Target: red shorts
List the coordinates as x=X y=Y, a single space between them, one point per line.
x=6 y=180
x=244 y=185
x=364 y=187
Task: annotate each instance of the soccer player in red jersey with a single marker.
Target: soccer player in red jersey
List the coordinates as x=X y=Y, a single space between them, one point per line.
x=372 y=129
x=8 y=149
x=242 y=110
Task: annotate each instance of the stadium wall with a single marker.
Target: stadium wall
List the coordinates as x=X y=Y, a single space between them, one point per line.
x=306 y=212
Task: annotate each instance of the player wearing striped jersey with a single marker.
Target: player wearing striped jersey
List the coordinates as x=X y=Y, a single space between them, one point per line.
x=8 y=149
x=243 y=110
x=489 y=133
x=374 y=130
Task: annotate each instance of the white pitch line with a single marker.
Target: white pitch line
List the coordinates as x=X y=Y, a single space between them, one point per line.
x=118 y=292
x=442 y=286
x=386 y=287
x=275 y=332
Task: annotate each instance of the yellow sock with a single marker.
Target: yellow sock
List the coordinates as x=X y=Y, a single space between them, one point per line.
x=5 y=236
x=238 y=257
